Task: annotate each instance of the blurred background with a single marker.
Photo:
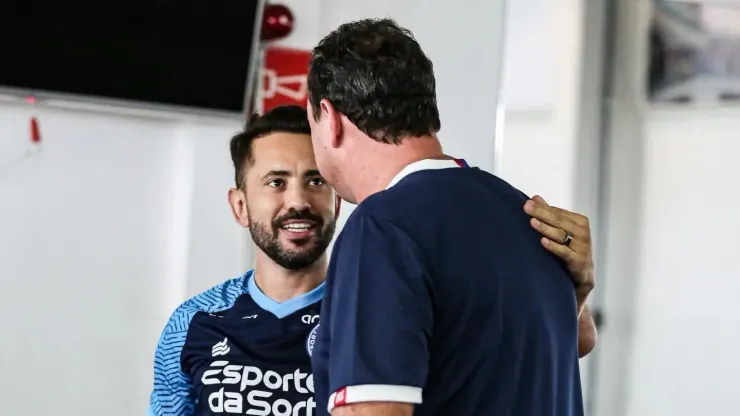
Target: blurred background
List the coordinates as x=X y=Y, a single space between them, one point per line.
x=114 y=167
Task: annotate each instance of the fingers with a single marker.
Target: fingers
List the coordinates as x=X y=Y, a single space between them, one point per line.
x=579 y=244
x=579 y=264
x=555 y=234
x=578 y=219
x=554 y=223
x=565 y=253
x=558 y=217
x=540 y=200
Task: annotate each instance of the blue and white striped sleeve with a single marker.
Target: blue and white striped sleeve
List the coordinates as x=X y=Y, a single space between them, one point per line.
x=172 y=393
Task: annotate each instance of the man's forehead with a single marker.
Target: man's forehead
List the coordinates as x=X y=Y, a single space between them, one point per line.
x=285 y=151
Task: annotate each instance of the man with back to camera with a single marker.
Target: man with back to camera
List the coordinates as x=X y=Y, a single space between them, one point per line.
x=439 y=298
x=244 y=346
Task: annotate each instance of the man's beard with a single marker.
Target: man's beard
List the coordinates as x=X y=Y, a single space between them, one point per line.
x=268 y=240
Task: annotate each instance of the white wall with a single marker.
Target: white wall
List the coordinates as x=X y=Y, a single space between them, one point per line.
x=673 y=322
x=687 y=333
x=672 y=333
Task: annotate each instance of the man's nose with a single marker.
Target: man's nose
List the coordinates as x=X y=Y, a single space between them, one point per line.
x=296 y=197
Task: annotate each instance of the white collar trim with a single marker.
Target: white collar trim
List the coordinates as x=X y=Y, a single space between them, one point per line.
x=424 y=164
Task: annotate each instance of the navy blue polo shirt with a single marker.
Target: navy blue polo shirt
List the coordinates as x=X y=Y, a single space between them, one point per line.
x=439 y=294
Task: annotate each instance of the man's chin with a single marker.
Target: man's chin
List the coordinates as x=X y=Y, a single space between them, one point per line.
x=300 y=258
x=299 y=245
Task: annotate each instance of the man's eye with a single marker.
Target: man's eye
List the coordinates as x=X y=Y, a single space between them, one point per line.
x=317 y=181
x=276 y=183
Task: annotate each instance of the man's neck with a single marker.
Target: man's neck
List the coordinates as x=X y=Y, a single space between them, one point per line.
x=280 y=284
x=384 y=162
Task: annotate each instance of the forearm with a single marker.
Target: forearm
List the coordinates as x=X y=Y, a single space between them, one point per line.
x=586 y=332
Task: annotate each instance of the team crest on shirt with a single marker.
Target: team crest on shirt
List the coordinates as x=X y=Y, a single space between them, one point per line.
x=311 y=339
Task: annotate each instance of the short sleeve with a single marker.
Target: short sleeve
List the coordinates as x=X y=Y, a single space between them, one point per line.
x=381 y=316
x=172 y=389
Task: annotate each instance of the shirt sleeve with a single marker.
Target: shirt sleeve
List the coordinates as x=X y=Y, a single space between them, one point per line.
x=172 y=391
x=381 y=316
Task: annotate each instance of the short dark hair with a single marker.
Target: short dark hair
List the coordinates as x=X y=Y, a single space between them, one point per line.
x=282 y=119
x=375 y=73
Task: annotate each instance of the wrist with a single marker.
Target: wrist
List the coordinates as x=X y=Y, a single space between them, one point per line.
x=582 y=298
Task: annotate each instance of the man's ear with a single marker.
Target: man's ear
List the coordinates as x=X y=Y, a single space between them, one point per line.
x=238 y=204
x=333 y=122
